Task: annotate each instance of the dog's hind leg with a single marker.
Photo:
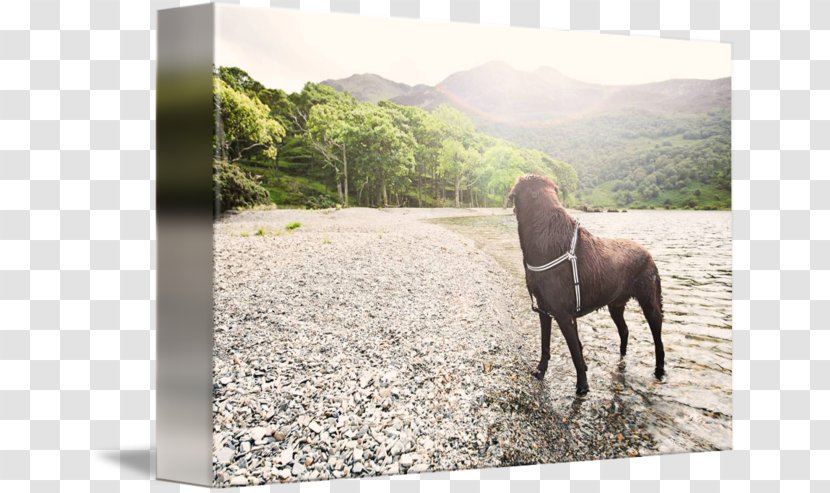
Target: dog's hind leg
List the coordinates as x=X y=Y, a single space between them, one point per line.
x=545 y=323
x=617 y=312
x=567 y=324
x=652 y=305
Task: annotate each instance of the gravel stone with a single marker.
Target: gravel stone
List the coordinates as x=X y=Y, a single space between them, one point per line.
x=407 y=460
x=257 y=433
x=224 y=455
x=374 y=342
x=239 y=481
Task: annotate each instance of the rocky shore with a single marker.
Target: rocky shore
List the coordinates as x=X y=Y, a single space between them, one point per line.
x=363 y=342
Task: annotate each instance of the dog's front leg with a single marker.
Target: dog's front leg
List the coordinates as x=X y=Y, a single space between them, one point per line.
x=545 y=323
x=567 y=324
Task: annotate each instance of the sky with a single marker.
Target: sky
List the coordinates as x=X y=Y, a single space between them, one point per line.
x=284 y=49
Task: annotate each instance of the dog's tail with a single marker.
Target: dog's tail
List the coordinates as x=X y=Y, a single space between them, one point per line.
x=650 y=291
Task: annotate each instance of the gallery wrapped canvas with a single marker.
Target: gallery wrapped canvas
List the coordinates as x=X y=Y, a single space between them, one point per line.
x=399 y=247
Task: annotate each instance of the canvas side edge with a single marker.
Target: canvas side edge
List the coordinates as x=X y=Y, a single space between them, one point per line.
x=184 y=412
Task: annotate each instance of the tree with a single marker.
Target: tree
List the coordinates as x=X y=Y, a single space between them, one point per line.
x=428 y=133
x=280 y=105
x=329 y=132
x=246 y=124
x=625 y=197
x=455 y=162
x=564 y=174
x=239 y=80
x=455 y=157
x=233 y=189
x=458 y=125
x=383 y=151
x=503 y=164
x=312 y=95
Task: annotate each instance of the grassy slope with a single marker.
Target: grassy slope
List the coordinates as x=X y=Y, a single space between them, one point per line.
x=286 y=186
x=709 y=198
x=608 y=150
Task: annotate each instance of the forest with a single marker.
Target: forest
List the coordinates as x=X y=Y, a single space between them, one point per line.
x=640 y=160
x=321 y=148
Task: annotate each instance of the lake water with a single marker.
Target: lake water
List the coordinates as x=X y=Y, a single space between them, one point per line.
x=691 y=408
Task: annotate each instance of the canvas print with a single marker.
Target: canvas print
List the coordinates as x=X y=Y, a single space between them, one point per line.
x=448 y=246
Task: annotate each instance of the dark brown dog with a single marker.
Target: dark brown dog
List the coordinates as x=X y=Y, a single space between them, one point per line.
x=611 y=271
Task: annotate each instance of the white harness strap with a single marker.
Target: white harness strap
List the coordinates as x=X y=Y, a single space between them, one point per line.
x=570 y=255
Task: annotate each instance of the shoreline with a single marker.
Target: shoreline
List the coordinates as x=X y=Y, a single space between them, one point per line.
x=415 y=357
x=448 y=212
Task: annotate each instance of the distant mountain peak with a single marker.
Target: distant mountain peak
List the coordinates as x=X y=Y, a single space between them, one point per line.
x=495 y=91
x=545 y=70
x=369 y=87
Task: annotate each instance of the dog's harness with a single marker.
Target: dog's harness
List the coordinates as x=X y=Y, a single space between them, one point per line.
x=569 y=255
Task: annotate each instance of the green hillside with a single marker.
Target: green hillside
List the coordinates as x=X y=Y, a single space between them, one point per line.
x=639 y=160
x=464 y=141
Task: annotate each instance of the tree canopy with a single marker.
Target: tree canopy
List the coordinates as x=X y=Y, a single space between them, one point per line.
x=247 y=126
x=318 y=147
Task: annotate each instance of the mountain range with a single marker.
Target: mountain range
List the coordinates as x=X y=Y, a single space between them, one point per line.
x=496 y=92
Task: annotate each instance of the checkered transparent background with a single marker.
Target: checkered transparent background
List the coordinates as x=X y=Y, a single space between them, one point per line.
x=77 y=242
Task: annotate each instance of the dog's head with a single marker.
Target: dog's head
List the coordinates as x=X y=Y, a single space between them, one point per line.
x=529 y=188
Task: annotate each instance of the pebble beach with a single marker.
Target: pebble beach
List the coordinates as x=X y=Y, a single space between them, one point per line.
x=364 y=342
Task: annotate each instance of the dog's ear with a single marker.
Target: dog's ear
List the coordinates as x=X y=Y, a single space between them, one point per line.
x=508 y=200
